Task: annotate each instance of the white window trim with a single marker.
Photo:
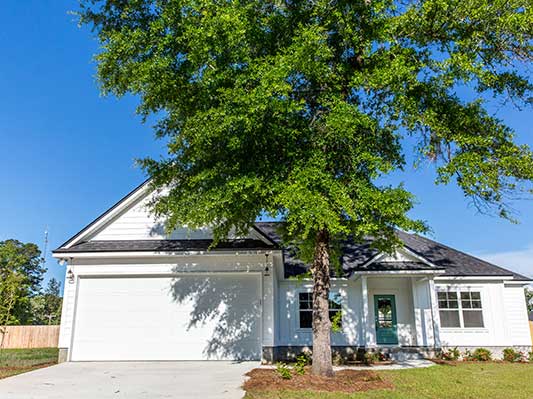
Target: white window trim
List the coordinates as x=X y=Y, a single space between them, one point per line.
x=310 y=291
x=458 y=290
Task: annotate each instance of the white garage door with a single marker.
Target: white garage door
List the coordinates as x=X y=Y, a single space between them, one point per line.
x=191 y=317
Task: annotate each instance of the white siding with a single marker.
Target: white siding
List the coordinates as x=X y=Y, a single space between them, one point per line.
x=351 y=291
x=402 y=291
x=138 y=223
x=289 y=331
x=423 y=313
x=504 y=317
x=517 y=324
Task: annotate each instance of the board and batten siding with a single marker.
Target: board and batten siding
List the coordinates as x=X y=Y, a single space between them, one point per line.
x=517 y=325
x=504 y=317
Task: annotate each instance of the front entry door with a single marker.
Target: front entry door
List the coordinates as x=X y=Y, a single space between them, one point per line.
x=386 y=326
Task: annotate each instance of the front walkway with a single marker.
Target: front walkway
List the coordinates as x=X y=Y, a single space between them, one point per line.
x=131 y=380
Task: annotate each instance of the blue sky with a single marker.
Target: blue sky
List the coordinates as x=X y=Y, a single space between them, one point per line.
x=67 y=154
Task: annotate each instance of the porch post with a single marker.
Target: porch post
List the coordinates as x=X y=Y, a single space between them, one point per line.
x=365 y=330
x=434 y=313
x=417 y=311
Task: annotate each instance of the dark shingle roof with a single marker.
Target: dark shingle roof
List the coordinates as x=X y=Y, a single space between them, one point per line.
x=163 y=246
x=355 y=256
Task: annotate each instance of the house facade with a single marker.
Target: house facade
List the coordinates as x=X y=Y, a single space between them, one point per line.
x=133 y=292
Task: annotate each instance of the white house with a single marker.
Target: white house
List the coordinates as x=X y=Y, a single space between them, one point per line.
x=134 y=293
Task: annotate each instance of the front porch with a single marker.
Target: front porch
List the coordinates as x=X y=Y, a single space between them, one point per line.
x=396 y=313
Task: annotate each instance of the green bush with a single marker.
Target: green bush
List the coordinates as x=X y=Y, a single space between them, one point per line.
x=301 y=362
x=481 y=355
x=371 y=357
x=283 y=370
x=450 y=354
x=511 y=355
x=530 y=357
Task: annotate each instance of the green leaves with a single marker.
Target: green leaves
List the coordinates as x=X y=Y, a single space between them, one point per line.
x=297 y=109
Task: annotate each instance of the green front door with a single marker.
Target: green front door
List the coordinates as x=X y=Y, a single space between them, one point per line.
x=386 y=326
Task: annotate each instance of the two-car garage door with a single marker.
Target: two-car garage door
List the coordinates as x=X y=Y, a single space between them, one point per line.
x=185 y=317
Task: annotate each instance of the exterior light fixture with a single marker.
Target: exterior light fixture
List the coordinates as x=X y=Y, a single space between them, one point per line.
x=70 y=276
x=267 y=269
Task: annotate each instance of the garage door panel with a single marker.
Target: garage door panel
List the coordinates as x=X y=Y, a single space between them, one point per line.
x=161 y=318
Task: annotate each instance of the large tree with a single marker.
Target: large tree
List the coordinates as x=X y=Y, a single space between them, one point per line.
x=21 y=273
x=297 y=108
x=46 y=306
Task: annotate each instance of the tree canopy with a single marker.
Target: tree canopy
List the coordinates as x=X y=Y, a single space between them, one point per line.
x=21 y=273
x=296 y=108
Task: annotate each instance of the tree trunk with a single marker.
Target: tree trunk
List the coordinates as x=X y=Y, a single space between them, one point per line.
x=322 y=364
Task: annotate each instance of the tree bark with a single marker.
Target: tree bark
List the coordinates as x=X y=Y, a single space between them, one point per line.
x=322 y=364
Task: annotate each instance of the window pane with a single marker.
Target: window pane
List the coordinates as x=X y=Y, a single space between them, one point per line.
x=452 y=295
x=305 y=296
x=476 y=295
x=466 y=304
x=449 y=318
x=473 y=318
x=465 y=295
x=443 y=304
x=306 y=319
x=476 y=304
x=453 y=304
x=442 y=296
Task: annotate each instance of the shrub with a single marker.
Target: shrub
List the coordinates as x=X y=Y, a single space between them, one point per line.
x=530 y=357
x=450 y=354
x=301 y=361
x=283 y=370
x=511 y=355
x=371 y=357
x=481 y=355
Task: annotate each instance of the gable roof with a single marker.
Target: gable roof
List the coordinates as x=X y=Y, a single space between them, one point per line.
x=355 y=257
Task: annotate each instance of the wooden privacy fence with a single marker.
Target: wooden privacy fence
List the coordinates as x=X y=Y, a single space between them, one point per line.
x=30 y=337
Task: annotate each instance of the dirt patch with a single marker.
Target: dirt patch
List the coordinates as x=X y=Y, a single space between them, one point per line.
x=342 y=381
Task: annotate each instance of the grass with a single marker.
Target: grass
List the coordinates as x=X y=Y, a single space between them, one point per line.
x=17 y=361
x=463 y=381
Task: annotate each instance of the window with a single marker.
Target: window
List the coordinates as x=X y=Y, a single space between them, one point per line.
x=472 y=313
x=306 y=308
x=460 y=309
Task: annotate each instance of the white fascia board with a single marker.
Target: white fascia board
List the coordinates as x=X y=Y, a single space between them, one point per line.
x=398 y=272
x=519 y=282
x=420 y=258
x=149 y=254
x=470 y=278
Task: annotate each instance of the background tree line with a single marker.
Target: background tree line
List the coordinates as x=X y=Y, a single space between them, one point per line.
x=23 y=298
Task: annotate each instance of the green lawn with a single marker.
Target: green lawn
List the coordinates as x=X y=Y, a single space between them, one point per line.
x=469 y=380
x=16 y=361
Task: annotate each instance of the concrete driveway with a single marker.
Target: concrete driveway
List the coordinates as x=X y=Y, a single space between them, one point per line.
x=132 y=380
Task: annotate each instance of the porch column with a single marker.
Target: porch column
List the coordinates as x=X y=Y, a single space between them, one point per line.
x=365 y=328
x=418 y=308
x=434 y=313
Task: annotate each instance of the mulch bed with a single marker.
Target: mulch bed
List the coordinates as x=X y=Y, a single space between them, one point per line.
x=342 y=381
